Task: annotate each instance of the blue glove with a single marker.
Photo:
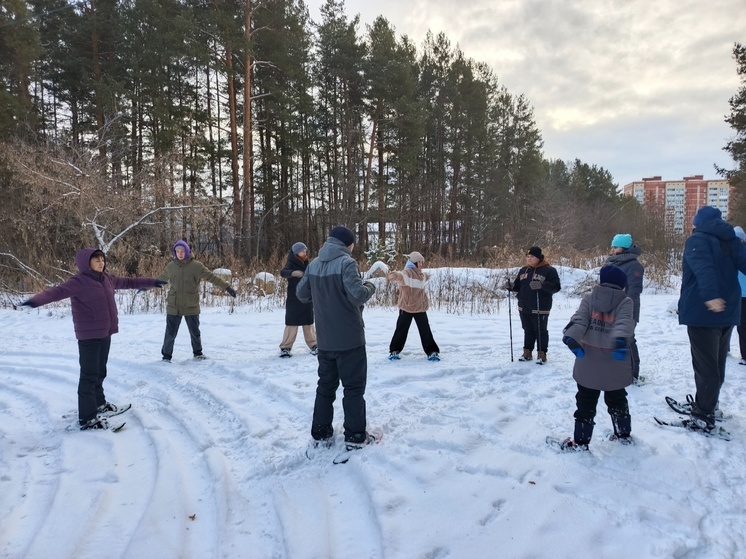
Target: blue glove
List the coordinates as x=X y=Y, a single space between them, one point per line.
x=230 y=291
x=160 y=283
x=620 y=351
x=574 y=346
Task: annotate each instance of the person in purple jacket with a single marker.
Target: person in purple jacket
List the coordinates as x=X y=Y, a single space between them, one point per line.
x=95 y=319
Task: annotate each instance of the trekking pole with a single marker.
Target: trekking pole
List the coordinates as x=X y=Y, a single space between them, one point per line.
x=510 y=324
x=538 y=331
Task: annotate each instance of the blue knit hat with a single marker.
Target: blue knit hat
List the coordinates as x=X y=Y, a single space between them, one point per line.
x=705 y=214
x=622 y=240
x=342 y=233
x=613 y=275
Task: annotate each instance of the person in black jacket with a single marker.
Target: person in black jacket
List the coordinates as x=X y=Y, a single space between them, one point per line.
x=297 y=313
x=535 y=284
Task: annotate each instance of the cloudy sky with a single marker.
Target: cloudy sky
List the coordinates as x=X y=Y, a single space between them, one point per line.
x=638 y=87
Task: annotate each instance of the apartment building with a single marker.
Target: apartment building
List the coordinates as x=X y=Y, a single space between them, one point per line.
x=679 y=200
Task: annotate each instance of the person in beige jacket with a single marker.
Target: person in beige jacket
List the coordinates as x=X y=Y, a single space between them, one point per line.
x=413 y=304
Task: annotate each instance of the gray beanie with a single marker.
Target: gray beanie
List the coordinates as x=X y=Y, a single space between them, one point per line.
x=299 y=247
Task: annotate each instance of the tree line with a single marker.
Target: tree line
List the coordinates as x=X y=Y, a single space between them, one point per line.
x=242 y=126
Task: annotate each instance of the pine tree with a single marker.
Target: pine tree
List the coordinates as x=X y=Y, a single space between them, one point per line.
x=736 y=147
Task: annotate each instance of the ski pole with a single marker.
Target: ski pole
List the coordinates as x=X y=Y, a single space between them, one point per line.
x=510 y=325
x=538 y=323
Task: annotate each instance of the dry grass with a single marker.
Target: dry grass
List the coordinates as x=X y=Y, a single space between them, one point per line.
x=457 y=287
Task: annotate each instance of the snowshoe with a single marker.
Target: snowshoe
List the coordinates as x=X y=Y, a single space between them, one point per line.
x=686 y=408
x=698 y=426
x=567 y=444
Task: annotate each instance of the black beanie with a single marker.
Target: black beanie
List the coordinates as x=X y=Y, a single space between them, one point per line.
x=343 y=234
x=613 y=275
x=535 y=251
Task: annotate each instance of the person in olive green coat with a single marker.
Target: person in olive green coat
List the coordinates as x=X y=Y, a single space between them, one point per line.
x=184 y=274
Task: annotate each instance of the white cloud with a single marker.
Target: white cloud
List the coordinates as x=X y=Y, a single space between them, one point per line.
x=652 y=79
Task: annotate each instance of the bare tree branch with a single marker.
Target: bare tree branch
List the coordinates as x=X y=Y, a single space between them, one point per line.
x=100 y=230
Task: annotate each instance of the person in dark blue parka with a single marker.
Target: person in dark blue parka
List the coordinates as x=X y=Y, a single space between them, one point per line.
x=710 y=305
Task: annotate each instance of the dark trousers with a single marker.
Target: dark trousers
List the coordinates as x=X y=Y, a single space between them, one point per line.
x=742 y=330
x=173 y=321
x=402 y=329
x=709 y=348
x=587 y=401
x=535 y=331
x=351 y=368
x=94 y=354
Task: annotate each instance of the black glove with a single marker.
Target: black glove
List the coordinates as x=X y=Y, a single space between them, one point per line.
x=230 y=291
x=535 y=284
x=370 y=285
x=508 y=285
x=29 y=303
x=620 y=350
x=574 y=346
x=160 y=283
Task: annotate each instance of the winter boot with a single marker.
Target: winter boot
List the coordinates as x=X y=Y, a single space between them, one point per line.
x=107 y=408
x=394 y=356
x=315 y=350
x=285 y=353
x=527 y=355
x=541 y=356
x=622 y=422
x=569 y=444
x=359 y=442
x=98 y=422
x=583 y=431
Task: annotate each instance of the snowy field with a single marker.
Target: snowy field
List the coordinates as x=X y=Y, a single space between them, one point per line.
x=211 y=462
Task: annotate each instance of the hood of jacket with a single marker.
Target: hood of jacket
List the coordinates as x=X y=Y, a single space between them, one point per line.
x=83 y=262
x=184 y=244
x=333 y=248
x=718 y=228
x=605 y=297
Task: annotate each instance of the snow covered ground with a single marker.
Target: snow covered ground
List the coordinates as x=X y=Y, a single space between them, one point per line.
x=211 y=462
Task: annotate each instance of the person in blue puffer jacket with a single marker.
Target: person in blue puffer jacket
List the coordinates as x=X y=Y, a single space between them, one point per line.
x=710 y=305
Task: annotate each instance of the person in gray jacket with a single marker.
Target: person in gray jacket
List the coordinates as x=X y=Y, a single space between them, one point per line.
x=598 y=334
x=625 y=254
x=333 y=283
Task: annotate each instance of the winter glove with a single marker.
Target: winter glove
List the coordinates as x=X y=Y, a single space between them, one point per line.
x=230 y=291
x=621 y=350
x=535 y=284
x=29 y=303
x=160 y=283
x=574 y=346
x=296 y=274
x=370 y=285
x=508 y=285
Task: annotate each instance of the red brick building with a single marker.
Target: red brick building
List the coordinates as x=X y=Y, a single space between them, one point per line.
x=678 y=201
